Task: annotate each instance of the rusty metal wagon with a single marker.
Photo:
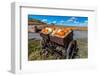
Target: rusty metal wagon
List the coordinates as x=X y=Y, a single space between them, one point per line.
x=52 y=42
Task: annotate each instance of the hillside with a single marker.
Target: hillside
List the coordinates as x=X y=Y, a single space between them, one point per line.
x=35 y=22
x=39 y=22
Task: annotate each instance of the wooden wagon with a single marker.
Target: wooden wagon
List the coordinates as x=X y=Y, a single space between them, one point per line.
x=67 y=42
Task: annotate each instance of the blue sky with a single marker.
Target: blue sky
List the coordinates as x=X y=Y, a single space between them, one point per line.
x=62 y=20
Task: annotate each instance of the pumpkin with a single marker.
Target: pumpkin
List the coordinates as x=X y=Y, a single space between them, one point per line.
x=60 y=32
x=47 y=30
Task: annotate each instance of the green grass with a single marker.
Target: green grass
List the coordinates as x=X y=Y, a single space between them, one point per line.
x=83 y=48
x=34 y=51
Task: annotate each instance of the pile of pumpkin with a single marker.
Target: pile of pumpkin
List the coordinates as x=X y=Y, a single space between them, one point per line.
x=57 y=31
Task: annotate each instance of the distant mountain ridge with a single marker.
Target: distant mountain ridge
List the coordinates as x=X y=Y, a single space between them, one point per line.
x=35 y=22
x=39 y=22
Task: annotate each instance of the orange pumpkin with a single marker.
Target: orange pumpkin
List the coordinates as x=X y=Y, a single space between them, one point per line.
x=60 y=33
x=45 y=30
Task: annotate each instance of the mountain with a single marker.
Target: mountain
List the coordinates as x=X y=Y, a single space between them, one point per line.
x=35 y=22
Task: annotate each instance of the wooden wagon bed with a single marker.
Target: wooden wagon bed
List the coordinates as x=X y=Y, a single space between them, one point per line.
x=51 y=40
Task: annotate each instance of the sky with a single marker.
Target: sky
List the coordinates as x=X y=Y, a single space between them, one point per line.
x=62 y=20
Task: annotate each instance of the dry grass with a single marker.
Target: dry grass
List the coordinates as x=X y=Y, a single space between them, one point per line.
x=34 y=50
x=83 y=48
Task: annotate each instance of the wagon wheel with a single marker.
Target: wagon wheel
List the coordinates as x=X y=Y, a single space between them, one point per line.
x=71 y=50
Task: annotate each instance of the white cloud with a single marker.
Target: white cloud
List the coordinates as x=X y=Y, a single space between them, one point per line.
x=75 y=22
x=44 y=20
x=54 y=22
x=86 y=21
x=61 y=21
x=72 y=19
x=83 y=24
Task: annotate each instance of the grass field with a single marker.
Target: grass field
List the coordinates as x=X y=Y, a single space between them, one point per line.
x=83 y=48
x=34 y=50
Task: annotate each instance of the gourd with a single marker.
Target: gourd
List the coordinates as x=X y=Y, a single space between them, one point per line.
x=47 y=30
x=60 y=32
